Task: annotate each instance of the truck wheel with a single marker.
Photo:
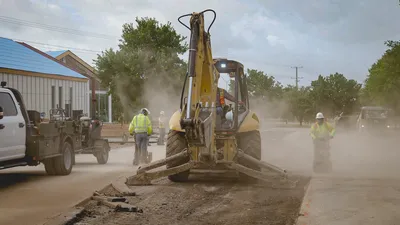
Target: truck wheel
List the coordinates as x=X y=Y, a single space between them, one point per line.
x=250 y=144
x=176 y=143
x=102 y=153
x=49 y=166
x=63 y=164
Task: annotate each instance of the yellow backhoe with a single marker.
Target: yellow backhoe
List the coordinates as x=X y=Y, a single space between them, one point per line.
x=207 y=135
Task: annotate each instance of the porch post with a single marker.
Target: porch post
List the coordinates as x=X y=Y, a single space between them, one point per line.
x=87 y=96
x=109 y=109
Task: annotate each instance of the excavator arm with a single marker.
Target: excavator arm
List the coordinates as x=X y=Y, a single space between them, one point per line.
x=198 y=114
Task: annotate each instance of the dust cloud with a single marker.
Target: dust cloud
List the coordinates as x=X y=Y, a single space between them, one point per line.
x=122 y=84
x=269 y=112
x=354 y=154
x=148 y=84
x=160 y=96
x=157 y=96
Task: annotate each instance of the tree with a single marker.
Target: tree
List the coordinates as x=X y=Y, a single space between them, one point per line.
x=382 y=85
x=300 y=103
x=264 y=86
x=334 y=94
x=265 y=93
x=147 y=62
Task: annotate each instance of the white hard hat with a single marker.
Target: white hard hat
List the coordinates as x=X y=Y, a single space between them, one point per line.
x=319 y=116
x=144 y=109
x=229 y=115
x=162 y=113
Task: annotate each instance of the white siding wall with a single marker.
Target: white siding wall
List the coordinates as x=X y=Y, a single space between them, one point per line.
x=37 y=92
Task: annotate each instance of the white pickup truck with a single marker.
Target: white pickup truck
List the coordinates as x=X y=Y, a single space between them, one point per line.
x=12 y=128
x=24 y=140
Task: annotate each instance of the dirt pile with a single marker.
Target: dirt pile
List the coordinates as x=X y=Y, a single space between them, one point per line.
x=217 y=202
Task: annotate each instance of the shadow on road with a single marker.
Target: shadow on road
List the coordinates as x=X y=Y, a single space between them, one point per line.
x=9 y=179
x=82 y=164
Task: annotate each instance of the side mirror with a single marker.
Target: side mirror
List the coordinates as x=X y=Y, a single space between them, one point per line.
x=1 y=112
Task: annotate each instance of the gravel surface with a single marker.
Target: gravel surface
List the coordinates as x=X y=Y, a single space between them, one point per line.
x=211 y=201
x=207 y=202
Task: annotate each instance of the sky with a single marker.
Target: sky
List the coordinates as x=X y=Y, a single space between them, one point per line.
x=319 y=36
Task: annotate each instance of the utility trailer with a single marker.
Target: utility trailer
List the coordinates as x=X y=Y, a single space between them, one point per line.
x=89 y=132
x=28 y=141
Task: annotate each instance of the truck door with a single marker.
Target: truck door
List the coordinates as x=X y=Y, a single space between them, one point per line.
x=12 y=128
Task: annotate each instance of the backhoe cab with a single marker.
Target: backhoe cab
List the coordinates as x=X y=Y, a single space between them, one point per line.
x=231 y=111
x=214 y=131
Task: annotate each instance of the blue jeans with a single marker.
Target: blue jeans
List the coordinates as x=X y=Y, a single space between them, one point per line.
x=220 y=111
x=141 y=146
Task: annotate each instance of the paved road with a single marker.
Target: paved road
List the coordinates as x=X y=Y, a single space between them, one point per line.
x=364 y=187
x=29 y=196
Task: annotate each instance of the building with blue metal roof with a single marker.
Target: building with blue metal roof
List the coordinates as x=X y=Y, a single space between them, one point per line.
x=104 y=100
x=44 y=82
x=18 y=57
x=55 y=53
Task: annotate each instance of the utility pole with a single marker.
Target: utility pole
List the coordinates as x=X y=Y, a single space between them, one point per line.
x=297 y=75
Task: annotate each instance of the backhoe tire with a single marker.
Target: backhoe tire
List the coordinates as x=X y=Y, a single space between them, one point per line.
x=63 y=164
x=176 y=143
x=250 y=144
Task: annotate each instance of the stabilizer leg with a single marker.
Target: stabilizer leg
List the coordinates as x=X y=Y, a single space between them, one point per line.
x=143 y=177
x=261 y=175
x=273 y=181
x=162 y=162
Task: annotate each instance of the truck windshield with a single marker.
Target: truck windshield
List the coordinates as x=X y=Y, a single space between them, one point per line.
x=377 y=114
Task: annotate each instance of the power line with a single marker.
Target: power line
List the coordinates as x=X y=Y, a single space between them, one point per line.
x=15 y=21
x=59 y=46
x=297 y=76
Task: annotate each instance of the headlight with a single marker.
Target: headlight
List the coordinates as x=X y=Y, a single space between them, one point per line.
x=223 y=65
x=362 y=125
x=388 y=126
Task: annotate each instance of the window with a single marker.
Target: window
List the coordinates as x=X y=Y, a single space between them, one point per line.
x=60 y=97
x=8 y=105
x=53 y=97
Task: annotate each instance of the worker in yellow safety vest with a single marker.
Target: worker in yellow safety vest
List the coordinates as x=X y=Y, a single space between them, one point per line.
x=141 y=128
x=321 y=133
x=322 y=129
x=161 y=128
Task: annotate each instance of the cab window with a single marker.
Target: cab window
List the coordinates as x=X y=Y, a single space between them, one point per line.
x=8 y=105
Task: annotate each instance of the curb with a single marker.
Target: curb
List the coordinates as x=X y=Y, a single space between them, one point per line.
x=304 y=212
